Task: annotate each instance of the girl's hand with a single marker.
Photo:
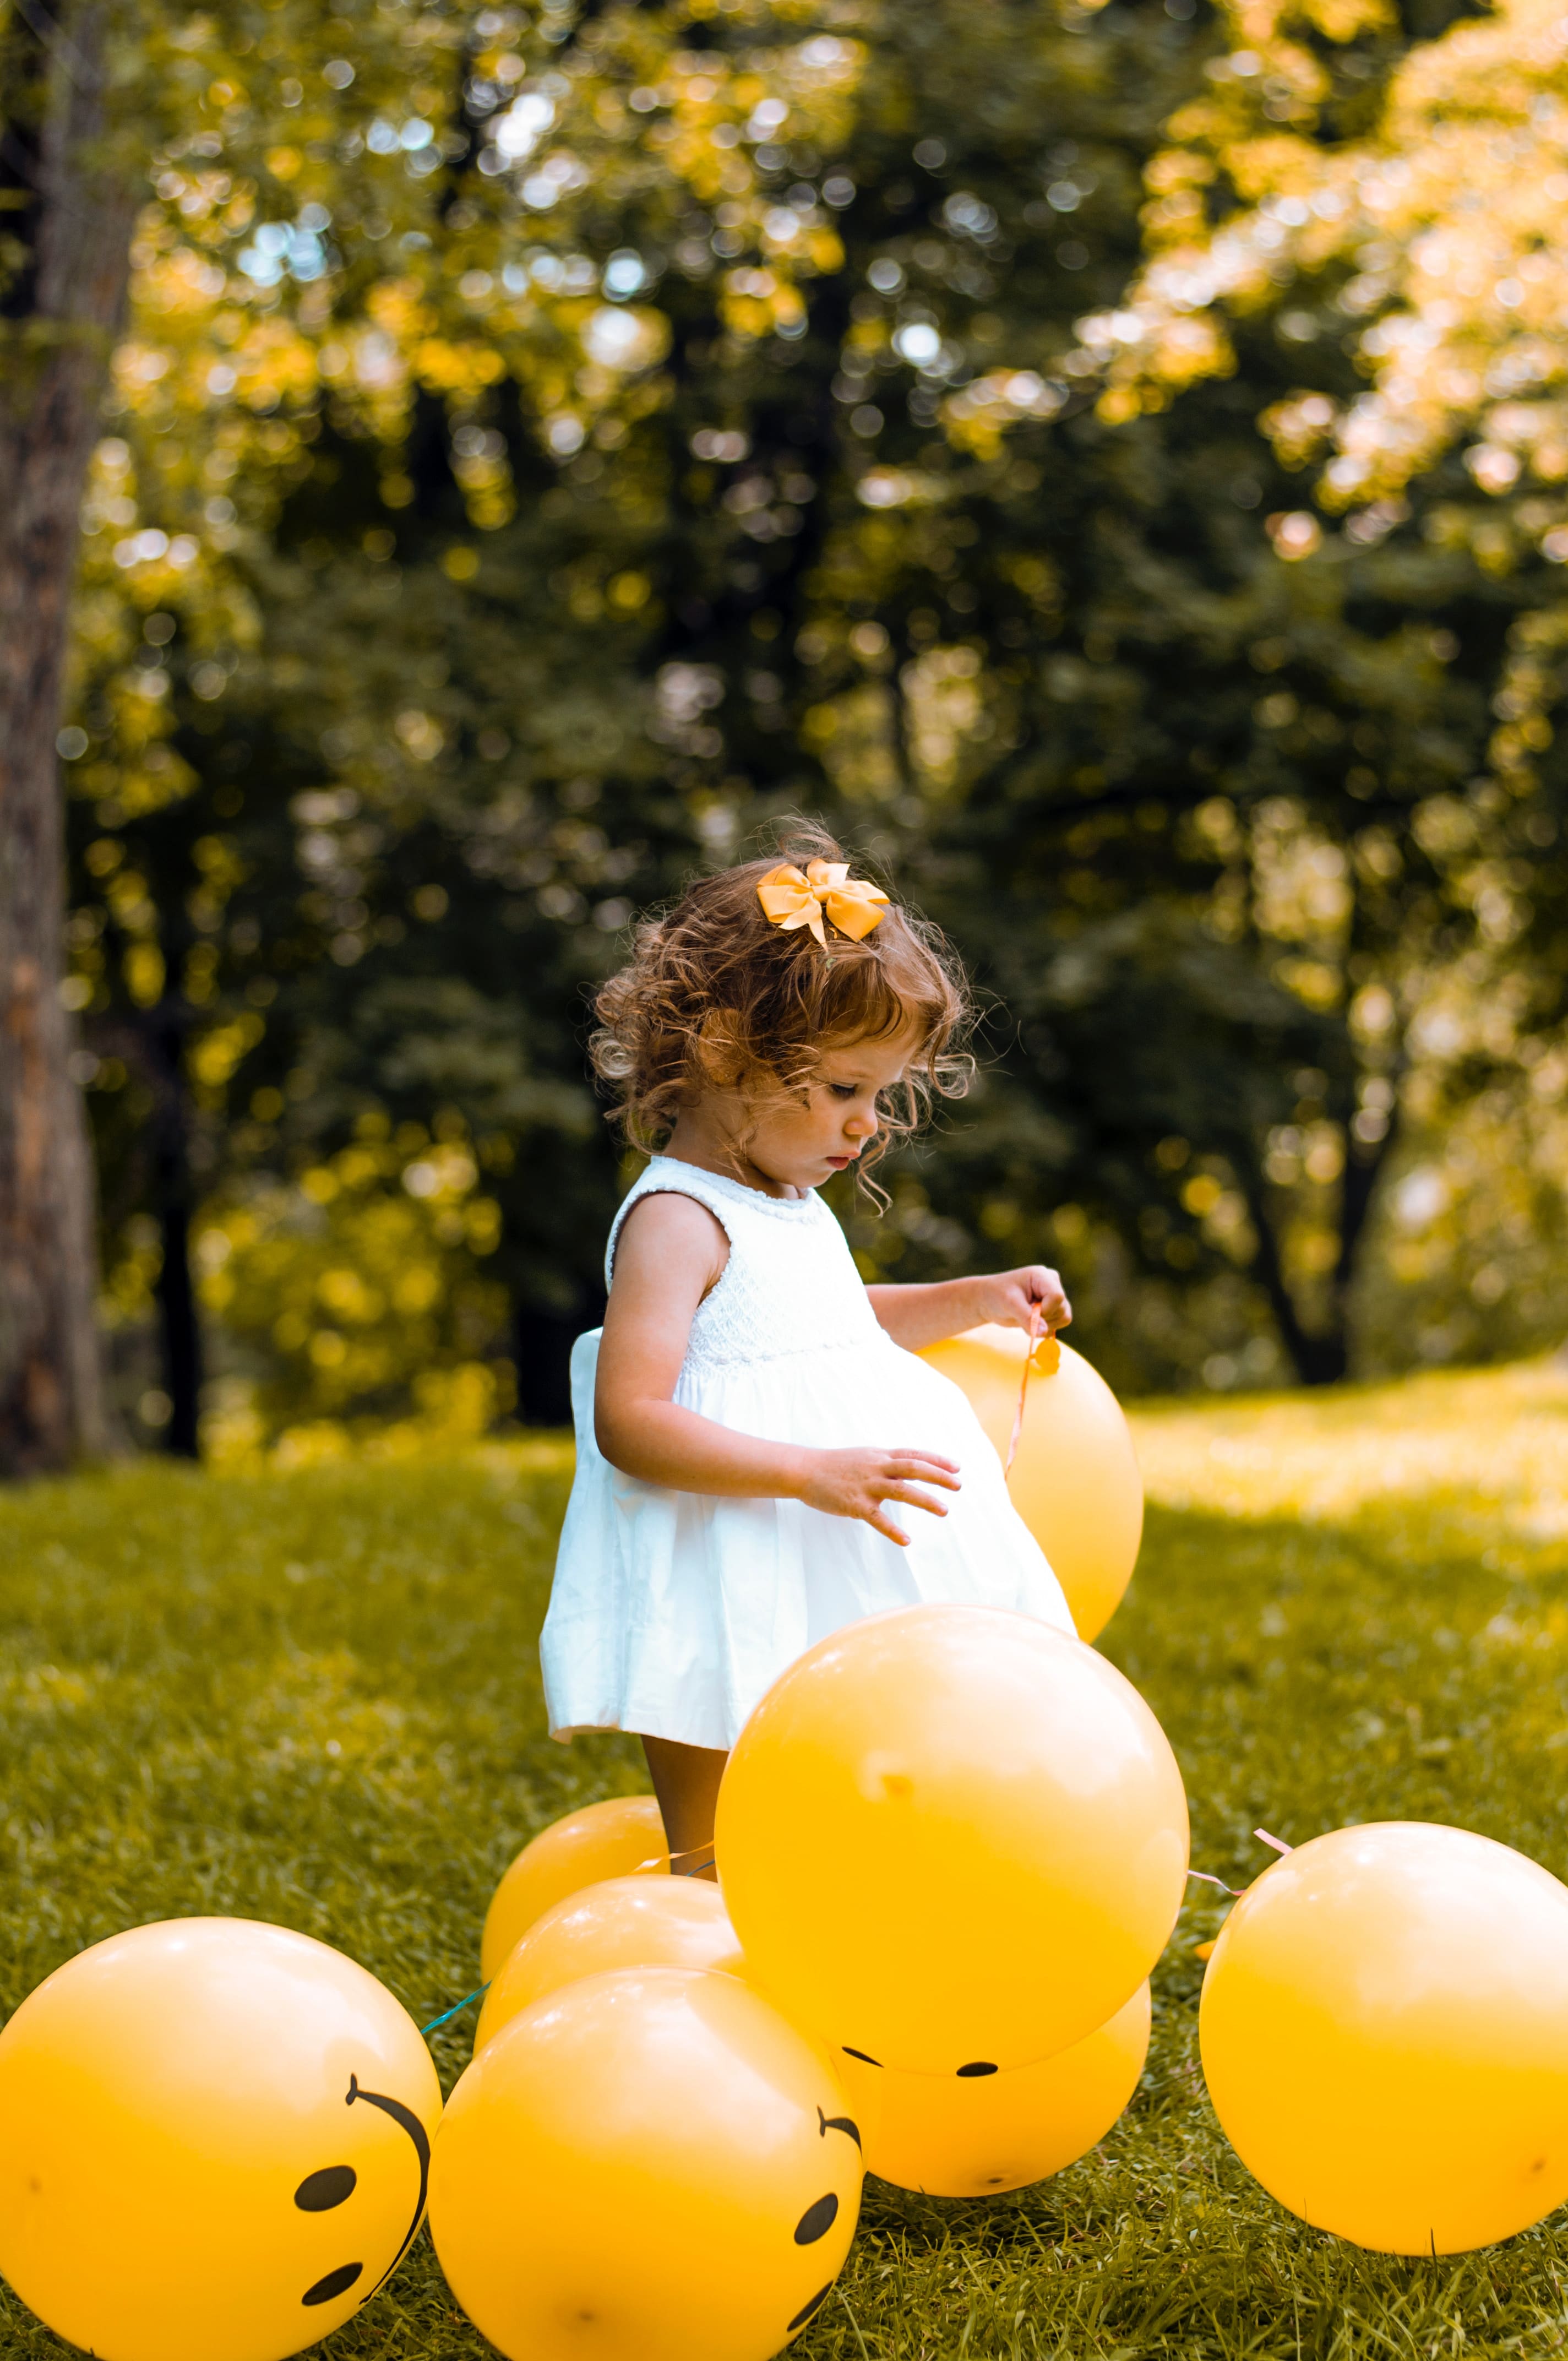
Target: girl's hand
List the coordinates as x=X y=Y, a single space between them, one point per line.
x=1033 y=1299
x=856 y=1483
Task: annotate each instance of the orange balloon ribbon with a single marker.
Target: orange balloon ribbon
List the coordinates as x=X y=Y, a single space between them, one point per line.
x=801 y=897
x=1037 y=1336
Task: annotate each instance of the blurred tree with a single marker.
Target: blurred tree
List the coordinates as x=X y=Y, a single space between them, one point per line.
x=93 y=97
x=729 y=431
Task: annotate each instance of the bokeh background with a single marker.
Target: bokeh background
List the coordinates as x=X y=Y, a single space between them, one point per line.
x=1108 y=463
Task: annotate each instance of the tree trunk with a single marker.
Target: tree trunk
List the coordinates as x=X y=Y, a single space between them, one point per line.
x=1320 y=1360
x=179 y=1317
x=60 y=308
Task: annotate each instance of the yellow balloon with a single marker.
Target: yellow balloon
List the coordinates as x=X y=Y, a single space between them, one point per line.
x=616 y=1839
x=951 y=1837
x=626 y=1922
x=1385 y=2037
x=972 y=2136
x=1075 y=1480
x=650 y=2165
x=215 y=2142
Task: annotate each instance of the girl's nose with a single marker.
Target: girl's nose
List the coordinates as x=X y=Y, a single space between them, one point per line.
x=862 y=1123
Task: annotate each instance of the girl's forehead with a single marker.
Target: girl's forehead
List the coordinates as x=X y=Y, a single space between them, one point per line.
x=879 y=1060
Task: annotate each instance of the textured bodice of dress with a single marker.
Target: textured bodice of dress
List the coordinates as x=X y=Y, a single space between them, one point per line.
x=789 y=1287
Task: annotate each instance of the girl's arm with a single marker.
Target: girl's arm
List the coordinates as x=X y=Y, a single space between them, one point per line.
x=670 y=1253
x=1032 y=1299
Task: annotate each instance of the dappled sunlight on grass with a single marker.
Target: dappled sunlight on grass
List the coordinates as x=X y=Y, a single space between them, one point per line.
x=1488 y=1448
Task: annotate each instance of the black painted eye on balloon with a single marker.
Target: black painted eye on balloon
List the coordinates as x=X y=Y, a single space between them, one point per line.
x=319 y=2191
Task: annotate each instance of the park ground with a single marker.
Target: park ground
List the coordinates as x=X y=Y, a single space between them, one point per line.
x=313 y=1696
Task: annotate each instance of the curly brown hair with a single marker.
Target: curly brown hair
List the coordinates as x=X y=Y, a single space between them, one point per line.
x=716 y=993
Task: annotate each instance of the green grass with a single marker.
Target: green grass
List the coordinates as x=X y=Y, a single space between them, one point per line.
x=315 y=1697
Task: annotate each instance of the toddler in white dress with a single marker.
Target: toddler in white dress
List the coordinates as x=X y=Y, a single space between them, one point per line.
x=751 y=1413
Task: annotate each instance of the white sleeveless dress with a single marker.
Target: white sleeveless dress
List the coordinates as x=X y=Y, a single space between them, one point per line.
x=671 y=1611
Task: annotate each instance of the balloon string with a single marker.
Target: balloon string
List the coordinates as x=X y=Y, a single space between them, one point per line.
x=1024 y=1388
x=437 y=2021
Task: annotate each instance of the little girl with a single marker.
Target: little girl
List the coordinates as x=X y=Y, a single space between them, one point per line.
x=750 y=1412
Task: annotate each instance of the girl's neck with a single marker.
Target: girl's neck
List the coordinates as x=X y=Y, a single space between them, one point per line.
x=709 y=1135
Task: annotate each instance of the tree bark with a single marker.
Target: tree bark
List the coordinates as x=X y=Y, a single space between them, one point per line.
x=1320 y=1360
x=67 y=226
x=179 y=1317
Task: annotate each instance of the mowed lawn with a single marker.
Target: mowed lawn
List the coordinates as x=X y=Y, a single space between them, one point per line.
x=315 y=1697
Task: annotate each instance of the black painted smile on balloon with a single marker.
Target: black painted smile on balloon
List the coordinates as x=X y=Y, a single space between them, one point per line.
x=803 y=2314
x=334 y=2184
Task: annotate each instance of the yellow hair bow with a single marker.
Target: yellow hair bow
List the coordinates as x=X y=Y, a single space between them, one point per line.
x=796 y=897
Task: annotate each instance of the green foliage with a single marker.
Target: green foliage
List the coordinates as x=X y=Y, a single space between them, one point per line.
x=708 y=417
x=361 y=1287
x=315 y=1697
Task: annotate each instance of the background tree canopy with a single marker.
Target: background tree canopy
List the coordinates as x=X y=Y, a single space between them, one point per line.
x=1109 y=463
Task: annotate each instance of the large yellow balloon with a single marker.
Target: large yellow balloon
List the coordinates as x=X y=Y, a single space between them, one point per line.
x=951 y=1837
x=1075 y=1480
x=650 y=2165
x=1385 y=2036
x=972 y=2136
x=215 y=2139
x=626 y=1922
x=616 y=1839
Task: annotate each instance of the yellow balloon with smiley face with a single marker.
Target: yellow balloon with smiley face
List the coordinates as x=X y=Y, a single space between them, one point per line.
x=648 y=2165
x=215 y=2142
x=975 y=2136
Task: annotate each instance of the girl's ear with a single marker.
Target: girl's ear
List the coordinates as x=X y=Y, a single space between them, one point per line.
x=719 y=1052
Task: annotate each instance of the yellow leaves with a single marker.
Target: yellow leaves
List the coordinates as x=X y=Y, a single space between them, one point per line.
x=625 y=339
x=214 y=1055
x=460 y=564
x=284 y=164
x=1039 y=578
x=1298 y=426
x=359 y=1285
x=1296 y=534
x=945 y=695
x=456 y=367
x=421 y=735
x=1451 y=217
x=1180 y=168
x=144 y=970
x=854 y=736
x=756 y=303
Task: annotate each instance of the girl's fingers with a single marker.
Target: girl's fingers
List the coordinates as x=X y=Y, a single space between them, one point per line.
x=915 y=1499
x=885 y=1526
x=927 y=1458
x=924 y=1471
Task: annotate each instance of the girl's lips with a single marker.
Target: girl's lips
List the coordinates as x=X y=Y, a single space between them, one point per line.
x=840 y=1162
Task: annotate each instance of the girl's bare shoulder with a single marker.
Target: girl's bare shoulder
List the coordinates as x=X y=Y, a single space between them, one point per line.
x=664 y=1229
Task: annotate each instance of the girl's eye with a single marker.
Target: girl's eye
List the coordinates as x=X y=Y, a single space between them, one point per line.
x=843 y=1089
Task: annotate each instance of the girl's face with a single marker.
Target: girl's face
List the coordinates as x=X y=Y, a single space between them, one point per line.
x=803 y=1143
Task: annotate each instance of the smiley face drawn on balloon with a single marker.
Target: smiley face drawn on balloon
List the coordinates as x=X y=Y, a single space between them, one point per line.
x=334 y=2184
x=821 y=2215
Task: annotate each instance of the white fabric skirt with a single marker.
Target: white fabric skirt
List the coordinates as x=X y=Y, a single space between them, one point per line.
x=671 y=1613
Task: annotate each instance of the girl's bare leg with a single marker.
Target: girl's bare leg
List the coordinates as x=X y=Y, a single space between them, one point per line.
x=686 y=1781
